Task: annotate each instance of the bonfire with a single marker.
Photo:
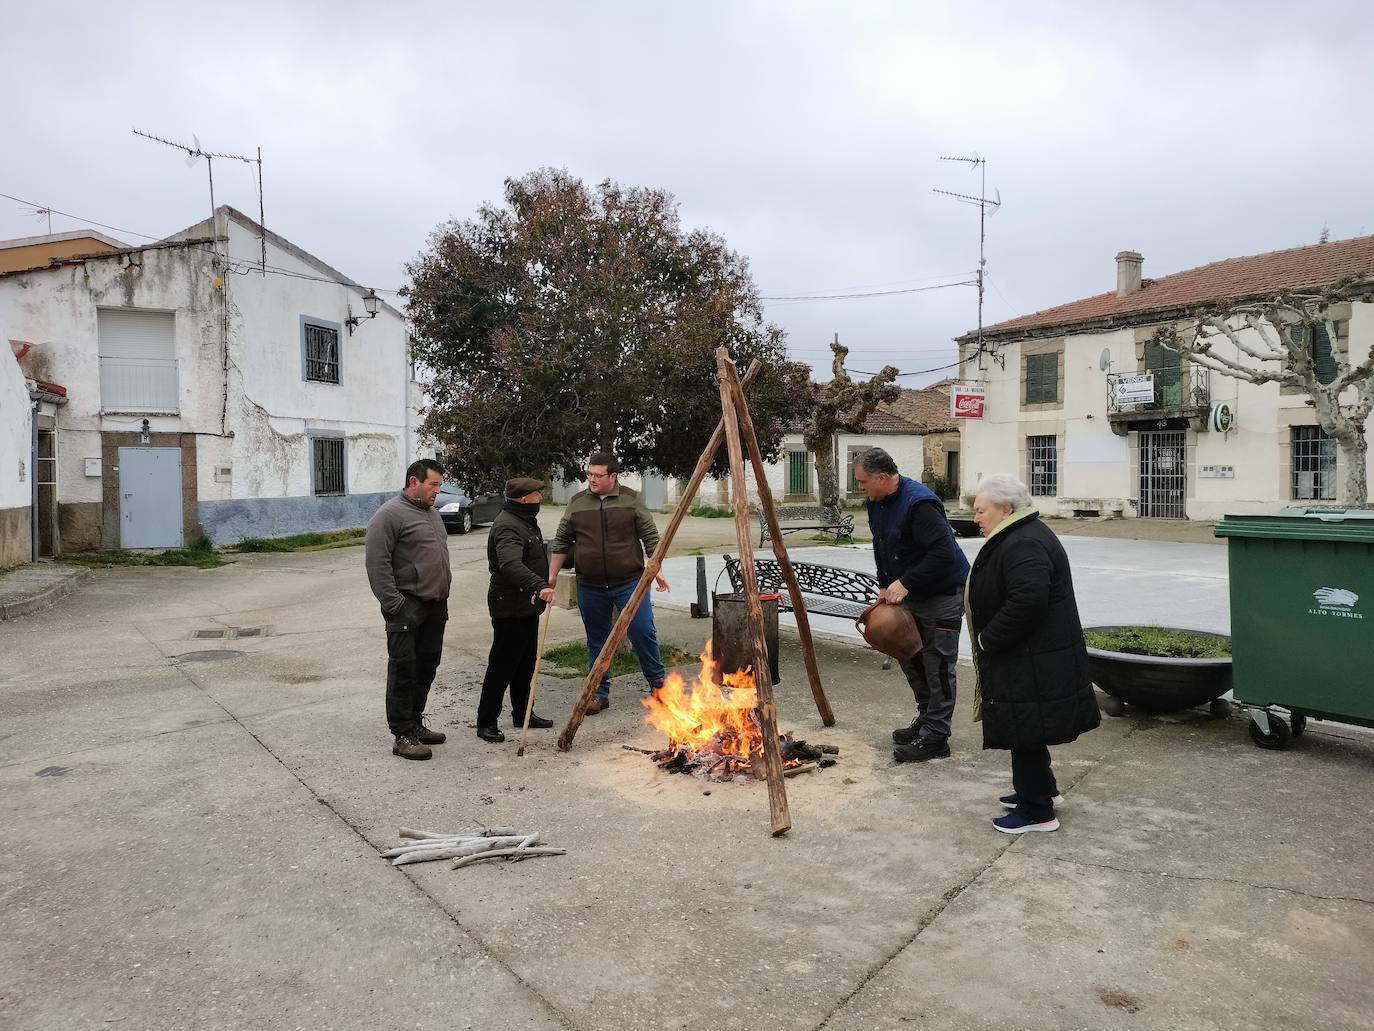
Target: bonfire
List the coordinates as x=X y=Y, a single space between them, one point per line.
x=713 y=730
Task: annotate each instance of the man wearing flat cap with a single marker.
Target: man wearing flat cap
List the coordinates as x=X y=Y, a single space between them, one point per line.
x=517 y=597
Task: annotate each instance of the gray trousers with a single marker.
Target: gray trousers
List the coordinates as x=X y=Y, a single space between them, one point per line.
x=931 y=671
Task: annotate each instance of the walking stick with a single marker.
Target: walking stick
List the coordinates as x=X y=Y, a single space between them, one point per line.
x=538 y=658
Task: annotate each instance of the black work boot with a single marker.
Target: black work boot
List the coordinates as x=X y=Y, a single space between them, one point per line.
x=906 y=735
x=408 y=747
x=921 y=750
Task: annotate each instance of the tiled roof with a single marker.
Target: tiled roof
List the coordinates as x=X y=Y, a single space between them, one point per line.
x=1301 y=268
x=926 y=410
x=884 y=420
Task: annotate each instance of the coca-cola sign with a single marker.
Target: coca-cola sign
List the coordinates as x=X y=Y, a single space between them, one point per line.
x=967 y=402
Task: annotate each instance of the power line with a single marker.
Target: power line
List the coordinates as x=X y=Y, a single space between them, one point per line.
x=875 y=293
x=922 y=372
x=67 y=214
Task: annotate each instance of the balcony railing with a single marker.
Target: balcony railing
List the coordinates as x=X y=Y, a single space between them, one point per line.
x=138 y=385
x=1187 y=394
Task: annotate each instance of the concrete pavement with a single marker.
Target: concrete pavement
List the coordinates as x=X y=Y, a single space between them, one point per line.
x=192 y=826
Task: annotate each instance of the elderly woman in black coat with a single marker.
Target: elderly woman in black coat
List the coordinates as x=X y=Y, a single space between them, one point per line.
x=1028 y=649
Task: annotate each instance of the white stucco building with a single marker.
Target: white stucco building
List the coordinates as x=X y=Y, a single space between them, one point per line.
x=1049 y=418
x=16 y=466
x=210 y=395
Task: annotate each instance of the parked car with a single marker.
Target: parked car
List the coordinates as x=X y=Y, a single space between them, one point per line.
x=461 y=512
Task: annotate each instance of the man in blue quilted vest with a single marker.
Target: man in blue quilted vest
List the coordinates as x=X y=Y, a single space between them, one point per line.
x=921 y=566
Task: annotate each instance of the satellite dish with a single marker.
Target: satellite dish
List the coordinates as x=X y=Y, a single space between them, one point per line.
x=1104 y=361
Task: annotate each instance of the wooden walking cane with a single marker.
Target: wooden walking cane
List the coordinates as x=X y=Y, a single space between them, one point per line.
x=538 y=658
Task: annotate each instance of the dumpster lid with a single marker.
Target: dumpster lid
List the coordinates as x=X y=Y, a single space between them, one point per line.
x=1301 y=523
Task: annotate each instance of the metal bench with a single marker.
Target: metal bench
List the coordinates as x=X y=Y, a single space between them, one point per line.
x=826 y=590
x=792 y=518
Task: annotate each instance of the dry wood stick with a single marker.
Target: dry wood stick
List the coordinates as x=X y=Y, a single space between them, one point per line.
x=763 y=680
x=793 y=771
x=490 y=832
x=651 y=568
x=427 y=855
x=534 y=678
x=789 y=575
x=502 y=853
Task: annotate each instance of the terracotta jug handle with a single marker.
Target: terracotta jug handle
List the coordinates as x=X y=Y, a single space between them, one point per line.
x=863 y=616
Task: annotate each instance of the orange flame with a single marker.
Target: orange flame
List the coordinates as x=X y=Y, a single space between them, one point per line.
x=705 y=718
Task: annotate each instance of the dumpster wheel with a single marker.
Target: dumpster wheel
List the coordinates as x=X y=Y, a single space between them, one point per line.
x=1278 y=737
x=1299 y=722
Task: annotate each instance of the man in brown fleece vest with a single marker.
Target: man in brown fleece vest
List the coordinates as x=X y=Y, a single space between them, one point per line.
x=408 y=568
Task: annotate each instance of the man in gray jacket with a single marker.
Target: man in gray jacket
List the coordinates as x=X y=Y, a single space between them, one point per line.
x=408 y=568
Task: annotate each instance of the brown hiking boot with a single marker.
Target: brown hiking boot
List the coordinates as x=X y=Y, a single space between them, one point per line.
x=410 y=748
x=429 y=737
x=598 y=704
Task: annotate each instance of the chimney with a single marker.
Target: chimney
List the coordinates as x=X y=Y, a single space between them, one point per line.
x=1127 y=273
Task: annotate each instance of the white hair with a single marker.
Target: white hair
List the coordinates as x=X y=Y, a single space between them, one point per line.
x=1004 y=489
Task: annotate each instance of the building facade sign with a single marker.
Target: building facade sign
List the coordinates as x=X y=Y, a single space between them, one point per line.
x=967 y=401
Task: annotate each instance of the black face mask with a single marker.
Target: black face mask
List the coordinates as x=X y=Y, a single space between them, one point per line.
x=528 y=511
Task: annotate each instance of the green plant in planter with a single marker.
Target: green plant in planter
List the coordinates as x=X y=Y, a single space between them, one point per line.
x=1159 y=642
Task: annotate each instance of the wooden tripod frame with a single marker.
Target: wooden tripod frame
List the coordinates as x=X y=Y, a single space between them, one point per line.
x=736 y=430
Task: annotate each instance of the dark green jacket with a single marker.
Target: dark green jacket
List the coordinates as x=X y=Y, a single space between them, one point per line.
x=607 y=536
x=519 y=567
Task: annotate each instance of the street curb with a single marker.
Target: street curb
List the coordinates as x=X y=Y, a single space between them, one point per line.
x=44 y=598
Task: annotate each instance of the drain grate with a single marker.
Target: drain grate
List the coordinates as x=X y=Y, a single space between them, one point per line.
x=209 y=635
x=249 y=631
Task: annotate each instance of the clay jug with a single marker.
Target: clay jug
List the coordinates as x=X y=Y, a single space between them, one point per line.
x=890 y=629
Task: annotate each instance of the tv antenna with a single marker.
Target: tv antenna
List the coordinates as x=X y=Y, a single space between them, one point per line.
x=194 y=152
x=986 y=208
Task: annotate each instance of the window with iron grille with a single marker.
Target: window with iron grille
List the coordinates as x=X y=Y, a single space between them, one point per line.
x=1042 y=378
x=320 y=341
x=327 y=455
x=1044 y=465
x=1314 y=464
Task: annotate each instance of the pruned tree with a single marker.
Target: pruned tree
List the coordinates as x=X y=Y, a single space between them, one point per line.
x=578 y=318
x=842 y=406
x=1295 y=340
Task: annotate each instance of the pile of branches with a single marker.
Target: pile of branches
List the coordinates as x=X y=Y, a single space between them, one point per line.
x=419 y=846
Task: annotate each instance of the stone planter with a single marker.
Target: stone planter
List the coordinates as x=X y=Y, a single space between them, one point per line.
x=1157 y=683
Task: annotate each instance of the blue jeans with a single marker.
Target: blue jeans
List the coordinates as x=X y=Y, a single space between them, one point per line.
x=596 y=605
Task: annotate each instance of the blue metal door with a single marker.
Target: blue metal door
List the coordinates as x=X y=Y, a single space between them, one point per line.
x=150 y=497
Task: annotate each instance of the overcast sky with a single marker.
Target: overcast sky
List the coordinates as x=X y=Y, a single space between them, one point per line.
x=808 y=135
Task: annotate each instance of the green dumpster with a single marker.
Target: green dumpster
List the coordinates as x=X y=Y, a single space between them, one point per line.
x=1302 y=618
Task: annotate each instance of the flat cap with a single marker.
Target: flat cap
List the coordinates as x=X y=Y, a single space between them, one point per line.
x=519 y=486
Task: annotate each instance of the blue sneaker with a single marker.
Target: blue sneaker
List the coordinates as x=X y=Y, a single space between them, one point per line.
x=1011 y=801
x=1015 y=823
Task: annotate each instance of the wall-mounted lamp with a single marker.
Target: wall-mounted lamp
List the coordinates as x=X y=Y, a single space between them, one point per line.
x=145 y=437
x=370 y=301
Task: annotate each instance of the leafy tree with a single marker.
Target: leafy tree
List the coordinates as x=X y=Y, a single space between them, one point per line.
x=842 y=406
x=573 y=319
x=1295 y=340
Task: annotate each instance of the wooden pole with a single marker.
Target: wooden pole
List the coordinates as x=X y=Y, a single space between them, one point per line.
x=651 y=568
x=534 y=679
x=763 y=680
x=789 y=575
